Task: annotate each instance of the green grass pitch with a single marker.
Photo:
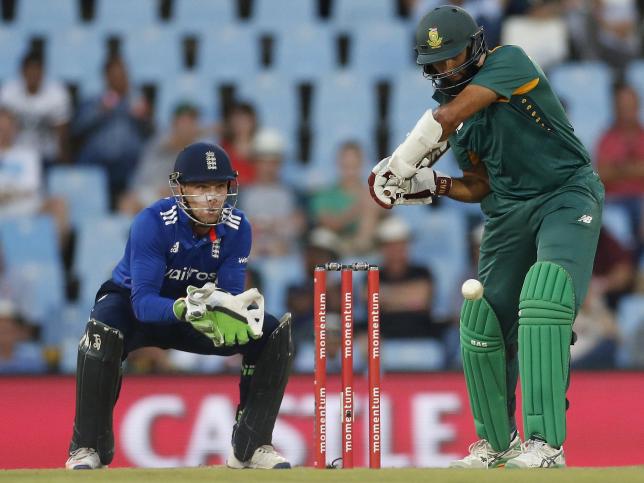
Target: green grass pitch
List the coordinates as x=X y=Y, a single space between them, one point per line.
x=224 y=475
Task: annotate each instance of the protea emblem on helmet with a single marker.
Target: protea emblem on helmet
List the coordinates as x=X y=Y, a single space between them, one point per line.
x=433 y=39
x=211 y=160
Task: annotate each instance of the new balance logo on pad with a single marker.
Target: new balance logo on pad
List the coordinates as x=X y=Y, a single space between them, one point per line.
x=585 y=219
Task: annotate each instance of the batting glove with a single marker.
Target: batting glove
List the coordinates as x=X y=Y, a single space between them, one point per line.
x=389 y=190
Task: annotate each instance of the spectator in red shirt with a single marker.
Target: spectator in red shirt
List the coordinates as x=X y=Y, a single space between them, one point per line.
x=613 y=271
x=595 y=326
x=620 y=156
x=238 y=132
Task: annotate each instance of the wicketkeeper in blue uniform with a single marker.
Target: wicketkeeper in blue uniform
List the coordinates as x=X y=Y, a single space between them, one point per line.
x=180 y=286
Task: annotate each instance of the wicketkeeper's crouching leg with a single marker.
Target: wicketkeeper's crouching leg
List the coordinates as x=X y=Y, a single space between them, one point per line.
x=253 y=431
x=98 y=380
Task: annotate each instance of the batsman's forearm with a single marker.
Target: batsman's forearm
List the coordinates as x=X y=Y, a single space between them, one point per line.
x=469 y=189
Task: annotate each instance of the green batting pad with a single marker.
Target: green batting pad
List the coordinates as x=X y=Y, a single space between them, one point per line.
x=546 y=314
x=484 y=364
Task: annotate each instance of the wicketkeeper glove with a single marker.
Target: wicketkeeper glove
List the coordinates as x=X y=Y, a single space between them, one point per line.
x=186 y=311
x=224 y=327
x=199 y=301
x=225 y=318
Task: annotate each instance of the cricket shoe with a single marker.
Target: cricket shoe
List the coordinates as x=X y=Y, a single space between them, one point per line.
x=482 y=455
x=84 y=459
x=538 y=454
x=264 y=458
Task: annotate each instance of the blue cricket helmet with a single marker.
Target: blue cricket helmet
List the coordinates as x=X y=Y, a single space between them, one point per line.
x=203 y=162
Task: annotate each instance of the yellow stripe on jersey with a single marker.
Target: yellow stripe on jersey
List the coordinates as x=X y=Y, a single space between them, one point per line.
x=524 y=89
x=527 y=87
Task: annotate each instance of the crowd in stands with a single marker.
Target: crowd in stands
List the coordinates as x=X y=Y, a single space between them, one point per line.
x=80 y=157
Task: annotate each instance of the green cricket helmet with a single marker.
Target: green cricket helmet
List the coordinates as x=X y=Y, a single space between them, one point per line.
x=442 y=34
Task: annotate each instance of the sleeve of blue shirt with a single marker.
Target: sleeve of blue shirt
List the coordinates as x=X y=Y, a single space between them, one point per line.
x=231 y=275
x=147 y=267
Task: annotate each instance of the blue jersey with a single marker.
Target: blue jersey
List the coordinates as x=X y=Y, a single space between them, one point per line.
x=163 y=256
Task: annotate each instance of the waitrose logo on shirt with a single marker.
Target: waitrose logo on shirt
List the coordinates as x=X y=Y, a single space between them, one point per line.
x=187 y=273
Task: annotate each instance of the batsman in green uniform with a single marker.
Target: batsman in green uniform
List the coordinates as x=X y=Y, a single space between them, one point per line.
x=543 y=203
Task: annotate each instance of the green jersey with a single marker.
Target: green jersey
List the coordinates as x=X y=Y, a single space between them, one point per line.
x=525 y=138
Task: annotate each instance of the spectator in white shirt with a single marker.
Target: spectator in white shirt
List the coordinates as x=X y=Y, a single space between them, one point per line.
x=42 y=107
x=270 y=205
x=607 y=30
x=20 y=173
x=21 y=187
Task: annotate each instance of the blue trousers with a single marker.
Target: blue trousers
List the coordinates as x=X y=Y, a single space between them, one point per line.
x=114 y=308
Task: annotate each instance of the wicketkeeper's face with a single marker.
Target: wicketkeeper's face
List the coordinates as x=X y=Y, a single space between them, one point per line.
x=206 y=199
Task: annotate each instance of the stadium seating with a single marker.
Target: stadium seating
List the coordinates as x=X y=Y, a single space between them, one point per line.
x=43 y=17
x=73 y=320
x=153 y=53
x=84 y=188
x=411 y=96
x=307 y=51
x=276 y=274
x=616 y=220
x=354 y=12
x=100 y=245
x=26 y=240
x=187 y=87
x=529 y=32
x=412 y=355
x=630 y=318
x=276 y=100
x=585 y=90
x=13 y=42
x=635 y=77
x=440 y=242
x=76 y=55
x=283 y=14
x=229 y=54
x=381 y=50
x=45 y=284
x=30 y=254
x=203 y=15
x=343 y=109
x=125 y=16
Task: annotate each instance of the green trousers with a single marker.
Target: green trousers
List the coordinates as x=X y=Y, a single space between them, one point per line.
x=561 y=227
